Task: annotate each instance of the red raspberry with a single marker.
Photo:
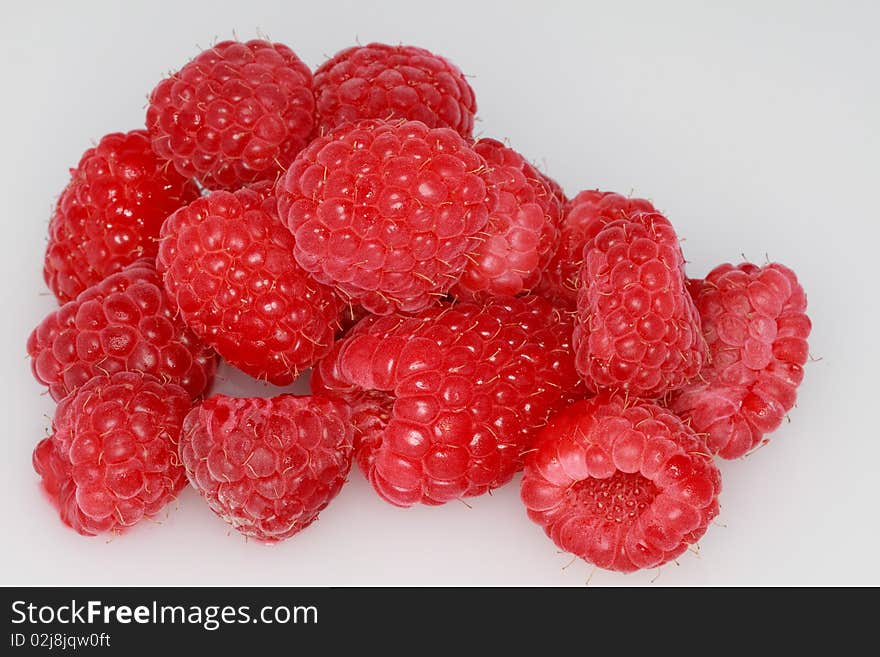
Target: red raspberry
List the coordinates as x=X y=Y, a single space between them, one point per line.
x=268 y=467
x=237 y=113
x=584 y=216
x=755 y=324
x=622 y=484
x=377 y=81
x=386 y=213
x=112 y=458
x=637 y=328
x=446 y=402
x=110 y=213
x=124 y=323
x=523 y=228
x=227 y=262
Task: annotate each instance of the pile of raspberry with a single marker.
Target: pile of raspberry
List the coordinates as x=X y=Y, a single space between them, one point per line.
x=461 y=319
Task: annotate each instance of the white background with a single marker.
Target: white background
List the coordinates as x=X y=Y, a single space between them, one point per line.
x=755 y=128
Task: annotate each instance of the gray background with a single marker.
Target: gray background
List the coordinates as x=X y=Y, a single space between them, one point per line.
x=753 y=127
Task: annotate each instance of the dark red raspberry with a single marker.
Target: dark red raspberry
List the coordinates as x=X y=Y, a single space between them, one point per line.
x=583 y=216
x=237 y=113
x=447 y=401
x=268 y=467
x=377 y=81
x=756 y=328
x=227 y=262
x=124 y=323
x=386 y=212
x=112 y=457
x=110 y=213
x=523 y=228
x=637 y=329
x=623 y=484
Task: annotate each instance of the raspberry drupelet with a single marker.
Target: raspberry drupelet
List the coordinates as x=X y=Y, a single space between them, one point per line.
x=110 y=213
x=446 y=402
x=621 y=484
x=112 y=457
x=227 y=264
x=237 y=113
x=386 y=213
x=756 y=327
x=379 y=81
x=268 y=467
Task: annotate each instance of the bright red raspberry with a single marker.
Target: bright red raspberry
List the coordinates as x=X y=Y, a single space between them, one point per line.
x=386 y=212
x=110 y=213
x=755 y=325
x=112 y=457
x=637 y=329
x=523 y=228
x=446 y=402
x=623 y=484
x=583 y=216
x=237 y=113
x=227 y=262
x=124 y=323
x=268 y=467
x=377 y=81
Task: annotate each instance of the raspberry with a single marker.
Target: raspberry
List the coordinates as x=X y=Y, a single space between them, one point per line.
x=637 y=328
x=378 y=81
x=124 y=323
x=387 y=213
x=583 y=217
x=237 y=113
x=623 y=485
x=522 y=231
x=227 y=262
x=446 y=402
x=756 y=328
x=268 y=467
x=112 y=458
x=110 y=213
